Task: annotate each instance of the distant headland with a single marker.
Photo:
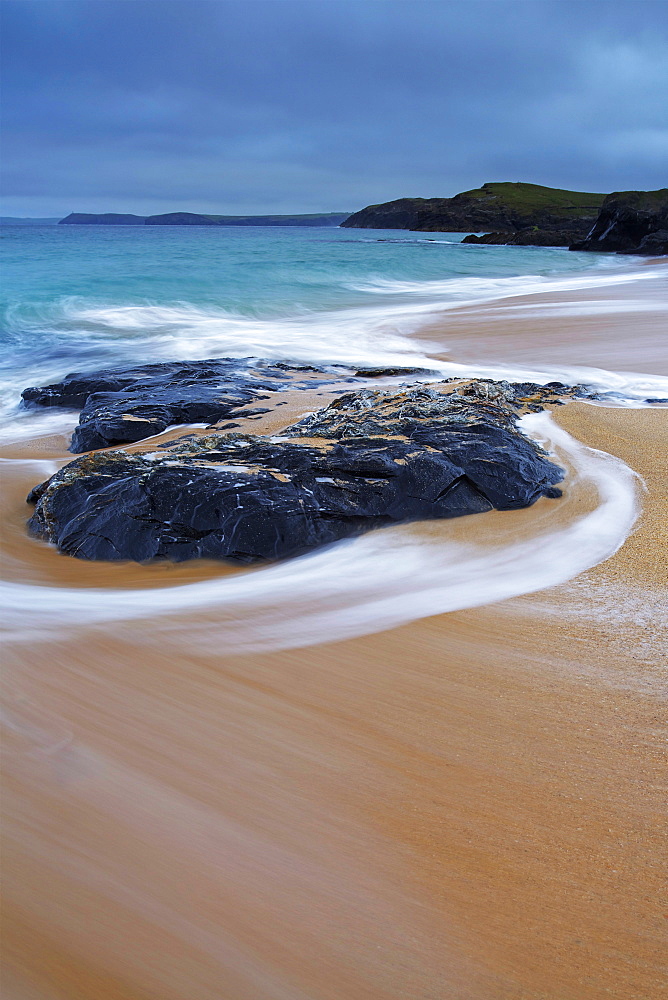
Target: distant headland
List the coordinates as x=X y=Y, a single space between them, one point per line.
x=531 y=215
x=503 y=207
x=196 y=219
x=503 y=213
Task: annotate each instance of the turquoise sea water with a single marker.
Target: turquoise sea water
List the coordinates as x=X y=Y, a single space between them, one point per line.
x=84 y=298
x=79 y=298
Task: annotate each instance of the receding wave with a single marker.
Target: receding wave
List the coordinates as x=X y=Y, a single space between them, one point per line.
x=473 y=290
x=385 y=331
x=379 y=581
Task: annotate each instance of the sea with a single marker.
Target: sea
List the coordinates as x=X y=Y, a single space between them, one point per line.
x=398 y=766
x=80 y=298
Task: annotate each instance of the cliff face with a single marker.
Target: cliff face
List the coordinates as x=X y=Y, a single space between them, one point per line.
x=399 y=214
x=499 y=207
x=630 y=222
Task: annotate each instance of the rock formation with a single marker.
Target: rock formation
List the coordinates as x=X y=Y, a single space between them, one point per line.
x=371 y=458
x=525 y=238
x=503 y=207
x=121 y=405
x=633 y=222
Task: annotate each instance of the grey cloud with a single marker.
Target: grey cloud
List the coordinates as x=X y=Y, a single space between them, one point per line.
x=309 y=105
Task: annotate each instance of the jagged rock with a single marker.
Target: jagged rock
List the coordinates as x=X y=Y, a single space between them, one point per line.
x=127 y=404
x=633 y=222
x=654 y=244
x=368 y=459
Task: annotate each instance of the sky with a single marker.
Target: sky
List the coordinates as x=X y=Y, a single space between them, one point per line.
x=258 y=106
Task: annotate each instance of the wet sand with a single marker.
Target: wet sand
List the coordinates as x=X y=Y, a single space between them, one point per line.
x=470 y=807
x=616 y=327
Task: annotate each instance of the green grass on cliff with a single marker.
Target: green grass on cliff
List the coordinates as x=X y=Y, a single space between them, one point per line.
x=521 y=197
x=642 y=201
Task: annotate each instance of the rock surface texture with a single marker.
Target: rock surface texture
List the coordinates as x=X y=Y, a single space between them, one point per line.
x=371 y=458
x=634 y=222
x=128 y=404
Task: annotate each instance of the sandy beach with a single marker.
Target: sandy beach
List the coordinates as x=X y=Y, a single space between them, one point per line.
x=467 y=807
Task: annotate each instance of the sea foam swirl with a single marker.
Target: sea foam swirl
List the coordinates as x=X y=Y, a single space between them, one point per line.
x=377 y=582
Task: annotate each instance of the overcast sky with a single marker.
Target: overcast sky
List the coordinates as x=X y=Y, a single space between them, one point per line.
x=256 y=106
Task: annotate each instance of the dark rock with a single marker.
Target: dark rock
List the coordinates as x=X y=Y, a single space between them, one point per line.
x=653 y=245
x=634 y=222
x=527 y=238
x=389 y=372
x=368 y=459
x=128 y=404
x=499 y=207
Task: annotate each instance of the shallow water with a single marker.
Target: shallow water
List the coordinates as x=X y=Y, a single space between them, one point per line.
x=376 y=582
x=211 y=788
x=80 y=298
x=323 y=296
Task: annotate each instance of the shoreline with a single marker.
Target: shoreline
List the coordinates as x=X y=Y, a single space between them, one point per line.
x=467 y=806
x=613 y=327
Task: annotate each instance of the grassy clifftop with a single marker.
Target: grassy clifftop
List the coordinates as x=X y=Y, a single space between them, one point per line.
x=522 y=197
x=497 y=205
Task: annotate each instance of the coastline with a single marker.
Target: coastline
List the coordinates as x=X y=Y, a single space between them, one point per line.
x=612 y=327
x=468 y=805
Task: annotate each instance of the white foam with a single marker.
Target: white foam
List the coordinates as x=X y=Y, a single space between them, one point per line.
x=382 y=332
x=26 y=424
x=379 y=581
x=474 y=290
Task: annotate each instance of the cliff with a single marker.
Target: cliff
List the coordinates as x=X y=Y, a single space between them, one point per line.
x=630 y=222
x=499 y=207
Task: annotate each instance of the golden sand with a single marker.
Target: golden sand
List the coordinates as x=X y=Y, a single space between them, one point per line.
x=470 y=807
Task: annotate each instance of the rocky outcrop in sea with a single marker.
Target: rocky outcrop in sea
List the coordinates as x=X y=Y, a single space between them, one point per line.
x=633 y=222
x=122 y=405
x=526 y=238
